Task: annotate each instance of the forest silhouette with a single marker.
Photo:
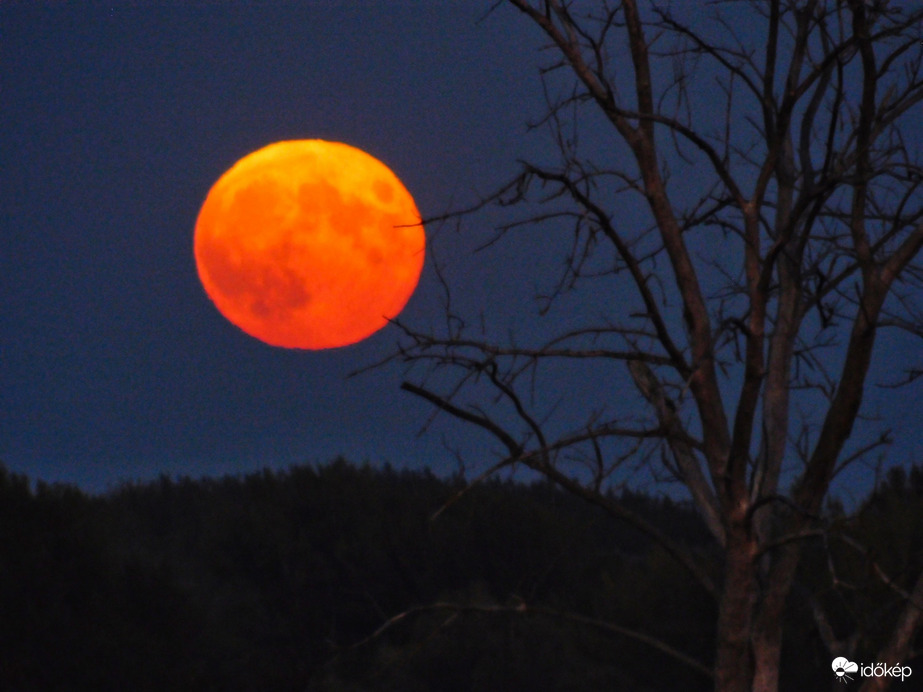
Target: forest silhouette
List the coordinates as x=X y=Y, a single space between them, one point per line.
x=286 y=580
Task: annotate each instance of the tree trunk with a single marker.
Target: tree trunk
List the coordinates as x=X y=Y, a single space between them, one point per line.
x=734 y=658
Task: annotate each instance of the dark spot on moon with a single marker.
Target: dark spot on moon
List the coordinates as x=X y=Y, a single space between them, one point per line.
x=279 y=294
x=383 y=191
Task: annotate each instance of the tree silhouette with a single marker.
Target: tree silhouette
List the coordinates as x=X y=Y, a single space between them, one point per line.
x=766 y=150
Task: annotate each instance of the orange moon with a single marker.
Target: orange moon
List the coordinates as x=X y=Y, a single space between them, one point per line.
x=309 y=244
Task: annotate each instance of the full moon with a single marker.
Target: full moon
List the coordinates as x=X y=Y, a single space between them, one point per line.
x=309 y=244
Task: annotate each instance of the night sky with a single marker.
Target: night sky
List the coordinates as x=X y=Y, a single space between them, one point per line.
x=117 y=119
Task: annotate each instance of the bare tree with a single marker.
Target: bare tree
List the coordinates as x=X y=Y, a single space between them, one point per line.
x=766 y=143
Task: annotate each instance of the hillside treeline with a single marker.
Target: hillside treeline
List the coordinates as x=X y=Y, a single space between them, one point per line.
x=283 y=581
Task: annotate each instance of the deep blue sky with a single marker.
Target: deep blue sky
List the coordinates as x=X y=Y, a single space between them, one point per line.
x=115 y=120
